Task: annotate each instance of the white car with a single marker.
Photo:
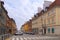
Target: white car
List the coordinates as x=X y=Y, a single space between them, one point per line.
x=19 y=33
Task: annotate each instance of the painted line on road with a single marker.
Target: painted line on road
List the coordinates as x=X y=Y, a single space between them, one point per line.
x=12 y=38
x=21 y=38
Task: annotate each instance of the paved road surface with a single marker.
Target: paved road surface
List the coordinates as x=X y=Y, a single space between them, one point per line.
x=33 y=37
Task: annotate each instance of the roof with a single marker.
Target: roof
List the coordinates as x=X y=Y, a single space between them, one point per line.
x=55 y=3
x=2 y=3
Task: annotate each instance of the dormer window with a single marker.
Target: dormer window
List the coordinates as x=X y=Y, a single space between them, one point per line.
x=42 y=11
x=46 y=8
x=2 y=2
x=36 y=15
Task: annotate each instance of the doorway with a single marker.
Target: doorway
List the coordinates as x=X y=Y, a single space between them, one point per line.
x=44 y=30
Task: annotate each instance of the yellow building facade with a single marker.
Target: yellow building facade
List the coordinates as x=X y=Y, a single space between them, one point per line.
x=27 y=27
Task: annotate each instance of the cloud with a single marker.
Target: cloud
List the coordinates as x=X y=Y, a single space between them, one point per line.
x=49 y=0
x=22 y=10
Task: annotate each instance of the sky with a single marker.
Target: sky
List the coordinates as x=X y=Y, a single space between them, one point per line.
x=22 y=10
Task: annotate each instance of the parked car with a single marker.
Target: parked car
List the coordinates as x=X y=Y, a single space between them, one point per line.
x=31 y=33
x=19 y=33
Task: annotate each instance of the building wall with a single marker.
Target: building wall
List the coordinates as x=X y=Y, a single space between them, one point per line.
x=26 y=28
x=34 y=26
x=22 y=28
x=50 y=20
x=46 y=4
x=13 y=26
x=5 y=22
x=53 y=21
x=2 y=19
x=37 y=25
x=58 y=15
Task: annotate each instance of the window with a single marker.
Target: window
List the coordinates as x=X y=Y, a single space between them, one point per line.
x=3 y=20
x=48 y=30
x=53 y=11
x=0 y=10
x=53 y=21
x=45 y=21
x=48 y=14
x=52 y=30
x=0 y=15
x=48 y=21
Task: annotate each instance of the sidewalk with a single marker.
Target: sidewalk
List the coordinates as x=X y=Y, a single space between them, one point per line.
x=7 y=39
x=49 y=35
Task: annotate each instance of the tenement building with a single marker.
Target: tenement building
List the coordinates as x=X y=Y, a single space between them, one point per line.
x=37 y=24
x=50 y=17
x=13 y=26
x=3 y=14
x=6 y=23
x=50 y=21
x=27 y=27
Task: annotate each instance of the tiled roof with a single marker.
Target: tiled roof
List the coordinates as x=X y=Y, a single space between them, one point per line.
x=55 y=3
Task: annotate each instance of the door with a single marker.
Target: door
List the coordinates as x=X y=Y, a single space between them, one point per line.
x=44 y=30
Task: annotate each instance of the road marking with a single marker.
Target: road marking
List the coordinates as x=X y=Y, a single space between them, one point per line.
x=33 y=38
x=25 y=38
x=12 y=38
x=17 y=38
x=21 y=38
x=29 y=38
